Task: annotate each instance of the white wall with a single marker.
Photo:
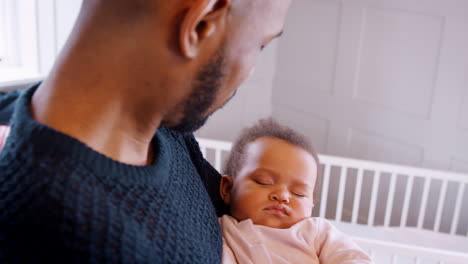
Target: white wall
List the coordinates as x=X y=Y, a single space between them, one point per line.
x=382 y=80
x=252 y=101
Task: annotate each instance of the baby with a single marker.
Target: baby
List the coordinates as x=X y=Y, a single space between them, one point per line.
x=269 y=187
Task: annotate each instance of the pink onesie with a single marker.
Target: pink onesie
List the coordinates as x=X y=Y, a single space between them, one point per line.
x=4 y=131
x=312 y=241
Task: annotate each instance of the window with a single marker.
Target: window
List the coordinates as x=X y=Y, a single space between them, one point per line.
x=19 y=52
x=3 y=31
x=31 y=34
x=7 y=27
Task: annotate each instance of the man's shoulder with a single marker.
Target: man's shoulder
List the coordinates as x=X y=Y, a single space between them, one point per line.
x=210 y=176
x=176 y=137
x=185 y=140
x=7 y=103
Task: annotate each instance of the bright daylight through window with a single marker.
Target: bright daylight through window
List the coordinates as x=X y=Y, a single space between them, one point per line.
x=19 y=54
x=7 y=38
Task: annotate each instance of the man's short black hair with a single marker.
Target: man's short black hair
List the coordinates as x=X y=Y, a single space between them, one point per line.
x=264 y=128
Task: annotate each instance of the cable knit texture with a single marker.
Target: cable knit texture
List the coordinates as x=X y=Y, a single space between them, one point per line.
x=62 y=202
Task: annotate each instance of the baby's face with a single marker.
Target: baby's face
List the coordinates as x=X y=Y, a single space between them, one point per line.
x=275 y=185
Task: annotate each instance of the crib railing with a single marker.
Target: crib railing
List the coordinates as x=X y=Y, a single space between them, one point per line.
x=380 y=194
x=394 y=253
x=214 y=151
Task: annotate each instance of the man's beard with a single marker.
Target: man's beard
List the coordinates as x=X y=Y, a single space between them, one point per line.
x=204 y=92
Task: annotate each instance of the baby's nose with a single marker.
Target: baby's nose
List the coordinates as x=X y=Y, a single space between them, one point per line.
x=280 y=196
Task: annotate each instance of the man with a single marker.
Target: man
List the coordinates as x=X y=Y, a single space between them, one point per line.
x=100 y=165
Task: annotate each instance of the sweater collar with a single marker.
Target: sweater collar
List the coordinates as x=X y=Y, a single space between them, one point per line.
x=26 y=133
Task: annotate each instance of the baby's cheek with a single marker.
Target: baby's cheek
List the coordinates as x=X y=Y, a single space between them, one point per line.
x=241 y=210
x=306 y=209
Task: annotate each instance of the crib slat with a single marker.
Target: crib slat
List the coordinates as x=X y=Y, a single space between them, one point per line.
x=203 y=151
x=342 y=184
x=461 y=190
x=357 y=195
x=422 y=210
x=408 y=192
x=390 y=197
x=218 y=160
x=375 y=187
x=418 y=260
x=394 y=258
x=440 y=205
x=326 y=183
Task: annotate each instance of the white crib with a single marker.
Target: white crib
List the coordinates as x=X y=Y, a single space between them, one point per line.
x=399 y=214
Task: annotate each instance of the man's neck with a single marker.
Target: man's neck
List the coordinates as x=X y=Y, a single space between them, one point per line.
x=99 y=112
x=113 y=93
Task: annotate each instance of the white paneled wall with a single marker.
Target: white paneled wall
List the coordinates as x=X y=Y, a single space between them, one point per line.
x=252 y=101
x=383 y=80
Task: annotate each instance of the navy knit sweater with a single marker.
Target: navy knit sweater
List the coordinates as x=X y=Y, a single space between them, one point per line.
x=62 y=202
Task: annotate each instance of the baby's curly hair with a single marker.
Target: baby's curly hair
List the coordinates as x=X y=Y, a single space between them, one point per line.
x=264 y=128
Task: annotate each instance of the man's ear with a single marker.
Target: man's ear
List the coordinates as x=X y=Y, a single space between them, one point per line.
x=225 y=188
x=202 y=20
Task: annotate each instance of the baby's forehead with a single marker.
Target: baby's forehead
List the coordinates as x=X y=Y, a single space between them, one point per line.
x=270 y=143
x=276 y=149
x=280 y=161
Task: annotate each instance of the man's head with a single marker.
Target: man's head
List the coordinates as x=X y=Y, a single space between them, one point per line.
x=270 y=176
x=204 y=91
x=199 y=51
x=245 y=27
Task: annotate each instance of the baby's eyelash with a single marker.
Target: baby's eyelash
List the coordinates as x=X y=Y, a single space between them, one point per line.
x=299 y=195
x=261 y=183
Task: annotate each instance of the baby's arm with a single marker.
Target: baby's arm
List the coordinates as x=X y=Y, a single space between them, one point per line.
x=334 y=247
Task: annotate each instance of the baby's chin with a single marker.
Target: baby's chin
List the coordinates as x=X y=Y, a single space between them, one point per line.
x=276 y=222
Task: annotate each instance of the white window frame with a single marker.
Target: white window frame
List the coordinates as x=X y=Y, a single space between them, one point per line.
x=38 y=29
x=7 y=27
x=22 y=56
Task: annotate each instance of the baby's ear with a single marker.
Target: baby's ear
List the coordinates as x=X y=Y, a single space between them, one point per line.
x=225 y=188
